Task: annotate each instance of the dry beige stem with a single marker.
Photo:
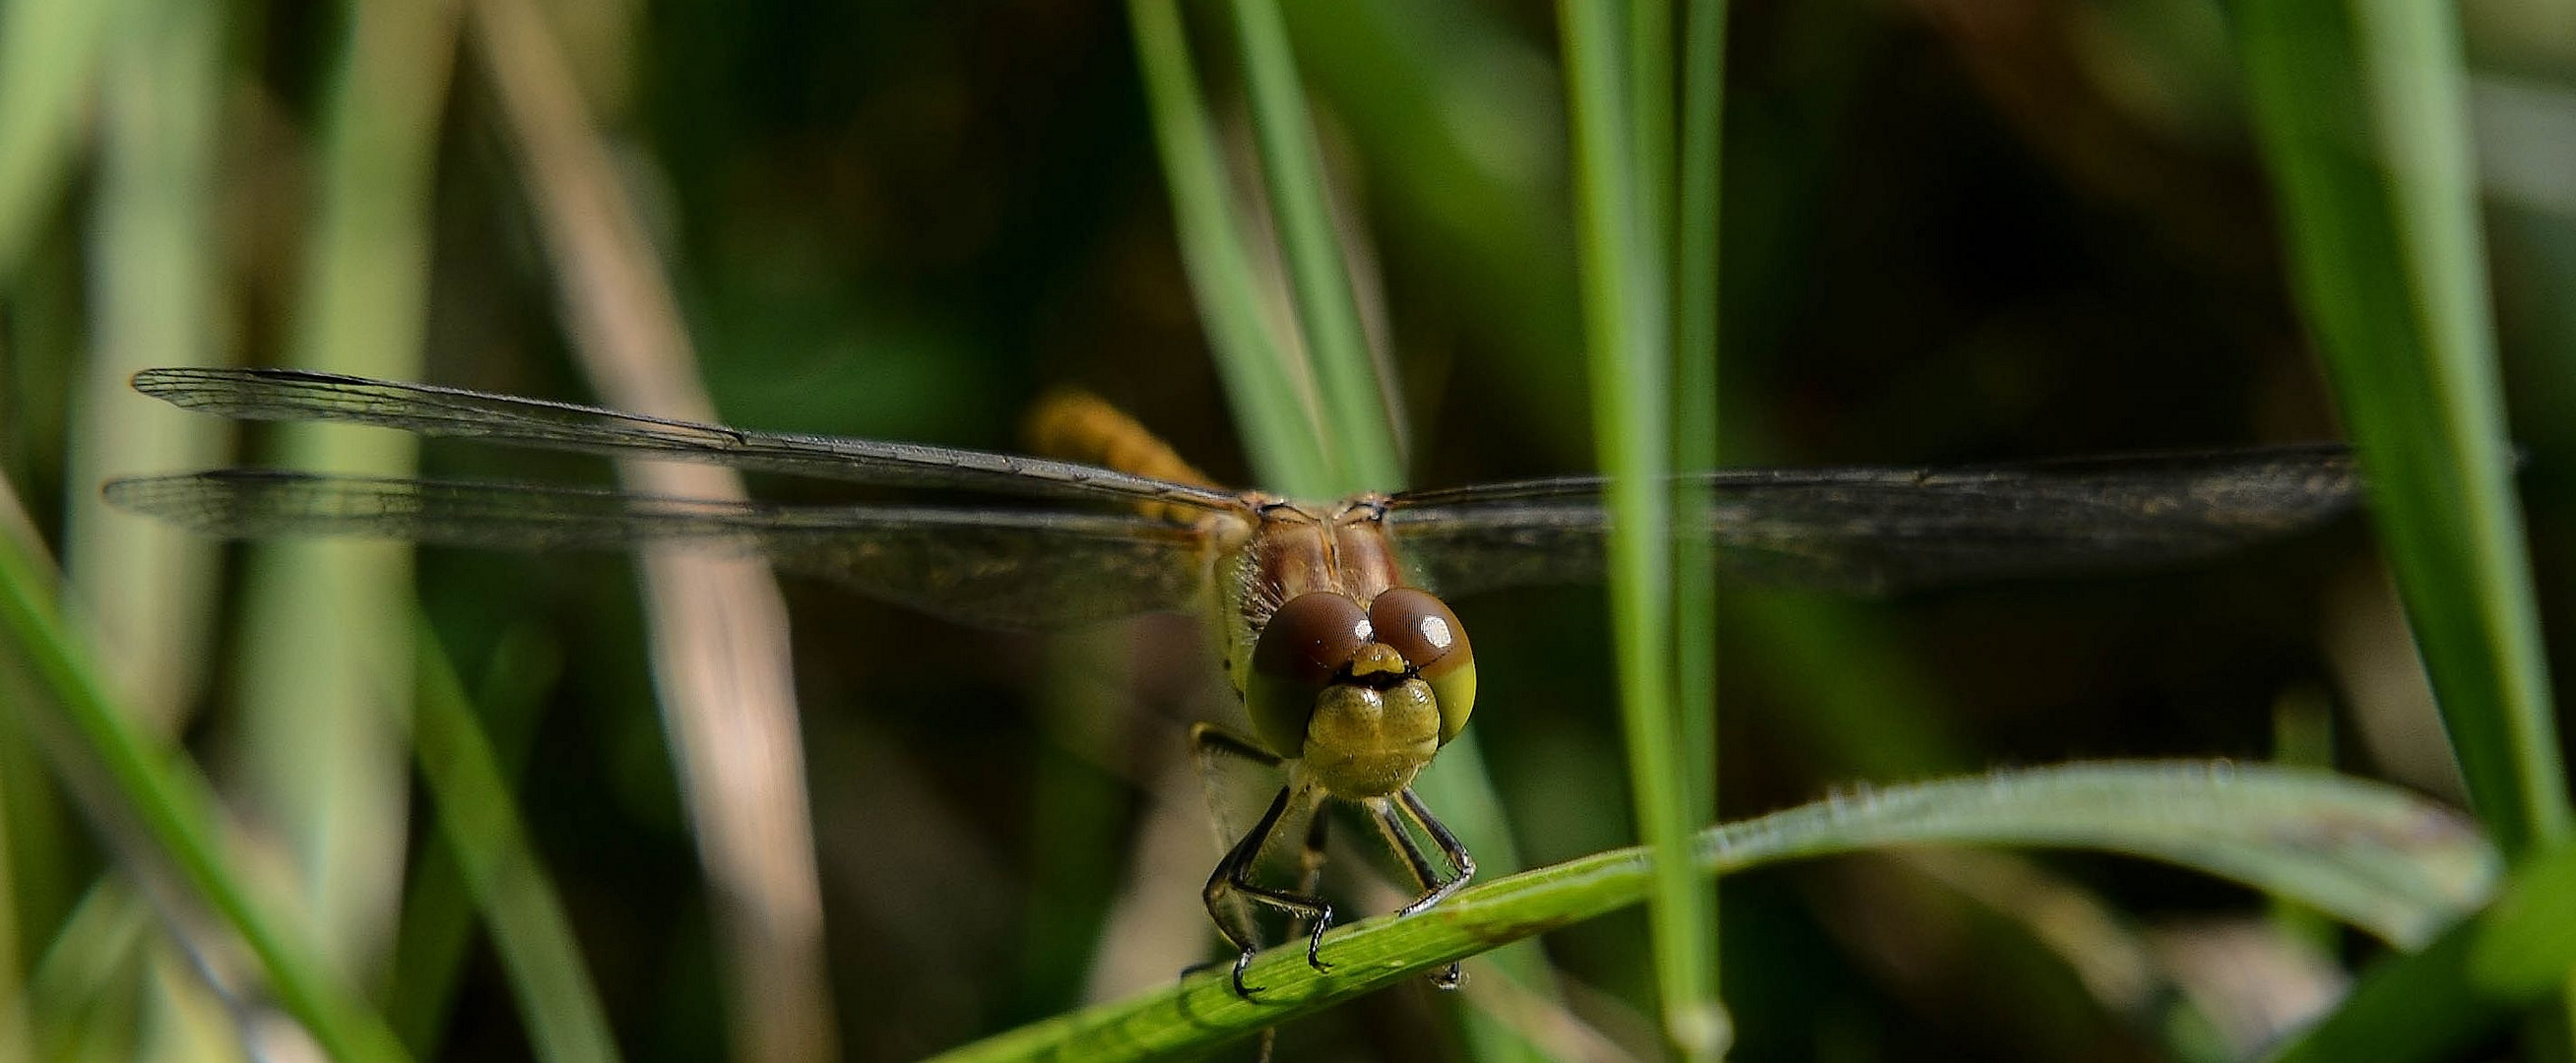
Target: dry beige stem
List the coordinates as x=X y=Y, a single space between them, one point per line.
x=719 y=625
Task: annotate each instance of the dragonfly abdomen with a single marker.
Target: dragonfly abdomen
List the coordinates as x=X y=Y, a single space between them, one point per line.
x=1078 y=426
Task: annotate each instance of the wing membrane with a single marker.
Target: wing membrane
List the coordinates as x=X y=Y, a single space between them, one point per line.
x=1889 y=530
x=429 y=410
x=997 y=568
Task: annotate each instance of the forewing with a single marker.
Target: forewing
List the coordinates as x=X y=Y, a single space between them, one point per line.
x=1000 y=568
x=1887 y=531
x=429 y=410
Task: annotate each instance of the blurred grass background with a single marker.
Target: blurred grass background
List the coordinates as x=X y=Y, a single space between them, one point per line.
x=1953 y=231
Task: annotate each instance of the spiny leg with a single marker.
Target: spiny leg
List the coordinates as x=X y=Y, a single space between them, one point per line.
x=1392 y=825
x=1233 y=876
x=1210 y=743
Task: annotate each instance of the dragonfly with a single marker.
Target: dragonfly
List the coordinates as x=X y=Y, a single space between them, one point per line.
x=1353 y=671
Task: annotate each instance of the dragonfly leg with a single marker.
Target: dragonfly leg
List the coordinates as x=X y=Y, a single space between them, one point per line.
x=1391 y=824
x=1233 y=877
x=1311 y=875
x=1450 y=848
x=1210 y=741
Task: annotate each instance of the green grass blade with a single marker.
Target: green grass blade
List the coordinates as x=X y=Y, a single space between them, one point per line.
x=1272 y=395
x=2303 y=737
x=1695 y=382
x=1625 y=295
x=175 y=810
x=2362 y=117
x=142 y=591
x=325 y=621
x=438 y=917
x=2377 y=857
x=1389 y=68
x=2467 y=985
x=1695 y=434
x=489 y=838
x=100 y=937
x=23 y=918
x=1484 y=197
x=50 y=52
x=1357 y=414
x=1649 y=54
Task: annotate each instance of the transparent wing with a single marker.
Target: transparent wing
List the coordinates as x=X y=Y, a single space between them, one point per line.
x=988 y=568
x=1885 y=531
x=297 y=395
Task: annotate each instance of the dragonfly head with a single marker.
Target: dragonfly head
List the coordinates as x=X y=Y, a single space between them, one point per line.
x=1375 y=689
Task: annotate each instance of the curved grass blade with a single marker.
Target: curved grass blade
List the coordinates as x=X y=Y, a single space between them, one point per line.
x=2376 y=857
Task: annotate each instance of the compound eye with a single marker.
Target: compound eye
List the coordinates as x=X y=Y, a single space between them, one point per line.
x=1311 y=639
x=1422 y=628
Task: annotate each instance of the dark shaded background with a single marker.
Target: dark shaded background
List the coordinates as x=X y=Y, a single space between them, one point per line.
x=1954 y=232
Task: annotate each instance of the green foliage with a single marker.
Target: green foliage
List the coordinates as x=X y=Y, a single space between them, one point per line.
x=1620 y=87
x=172 y=809
x=2375 y=857
x=2363 y=113
x=1374 y=241
x=2510 y=956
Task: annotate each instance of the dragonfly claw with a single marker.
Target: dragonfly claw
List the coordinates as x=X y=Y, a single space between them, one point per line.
x=1241 y=991
x=1315 y=942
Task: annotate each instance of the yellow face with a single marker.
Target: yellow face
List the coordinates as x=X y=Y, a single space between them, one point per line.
x=1369 y=670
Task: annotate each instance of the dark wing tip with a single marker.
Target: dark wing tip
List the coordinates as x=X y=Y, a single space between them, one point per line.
x=191 y=387
x=166 y=381
x=196 y=385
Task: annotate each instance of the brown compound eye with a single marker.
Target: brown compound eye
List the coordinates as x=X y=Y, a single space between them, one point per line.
x=1310 y=639
x=1306 y=644
x=1421 y=628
